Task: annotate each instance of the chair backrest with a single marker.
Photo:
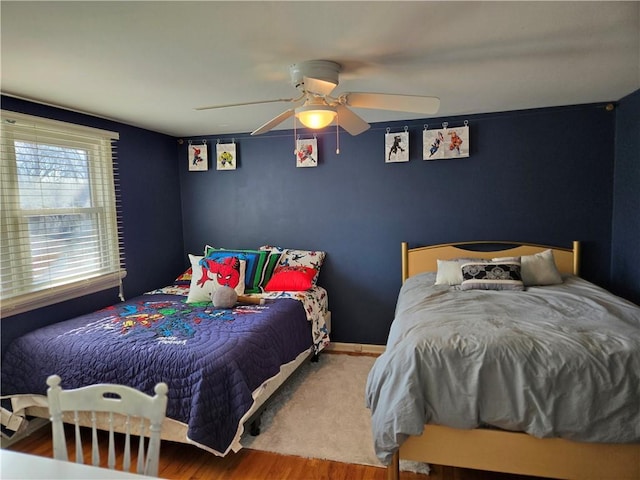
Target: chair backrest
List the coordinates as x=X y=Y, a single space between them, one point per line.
x=142 y=412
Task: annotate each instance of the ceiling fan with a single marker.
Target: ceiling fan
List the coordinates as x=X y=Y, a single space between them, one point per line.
x=316 y=109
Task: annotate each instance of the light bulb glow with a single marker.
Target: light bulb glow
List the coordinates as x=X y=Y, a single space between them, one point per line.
x=316 y=116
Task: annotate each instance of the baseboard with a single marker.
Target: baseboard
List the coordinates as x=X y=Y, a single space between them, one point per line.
x=362 y=348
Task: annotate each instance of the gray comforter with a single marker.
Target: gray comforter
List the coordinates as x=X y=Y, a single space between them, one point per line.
x=553 y=361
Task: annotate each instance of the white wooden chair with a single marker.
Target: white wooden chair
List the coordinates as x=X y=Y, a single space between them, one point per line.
x=138 y=408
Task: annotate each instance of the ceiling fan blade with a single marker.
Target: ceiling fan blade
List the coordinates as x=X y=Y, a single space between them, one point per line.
x=386 y=101
x=351 y=122
x=318 y=86
x=257 y=102
x=274 y=122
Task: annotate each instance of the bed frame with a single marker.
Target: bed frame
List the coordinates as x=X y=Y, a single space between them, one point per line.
x=502 y=451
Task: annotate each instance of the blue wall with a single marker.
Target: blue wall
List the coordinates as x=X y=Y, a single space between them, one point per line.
x=542 y=175
x=625 y=240
x=539 y=175
x=152 y=219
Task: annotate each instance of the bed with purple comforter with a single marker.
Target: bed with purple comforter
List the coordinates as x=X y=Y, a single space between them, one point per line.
x=211 y=359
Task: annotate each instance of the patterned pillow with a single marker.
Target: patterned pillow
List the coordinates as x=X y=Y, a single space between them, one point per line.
x=209 y=274
x=184 y=279
x=492 y=275
x=291 y=279
x=299 y=258
x=256 y=261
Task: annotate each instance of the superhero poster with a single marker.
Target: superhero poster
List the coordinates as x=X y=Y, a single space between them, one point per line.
x=396 y=147
x=226 y=156
x=445 y=143
x=198 y=157
x=307 y=153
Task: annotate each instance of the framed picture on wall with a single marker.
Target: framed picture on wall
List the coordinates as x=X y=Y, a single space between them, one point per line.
x=432 y=144
x=226 y=156
x=198 y=157
x=307 y=153
x=445 y=143
x=396 y=147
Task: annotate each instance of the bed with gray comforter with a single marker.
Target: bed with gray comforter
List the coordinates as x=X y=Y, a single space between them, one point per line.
x=553 y=361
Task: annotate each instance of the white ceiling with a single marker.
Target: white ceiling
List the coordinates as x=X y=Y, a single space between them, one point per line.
x=150 y=63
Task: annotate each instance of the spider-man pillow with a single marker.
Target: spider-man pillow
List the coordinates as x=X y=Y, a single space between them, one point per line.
x=256 y=261
x=210 y=274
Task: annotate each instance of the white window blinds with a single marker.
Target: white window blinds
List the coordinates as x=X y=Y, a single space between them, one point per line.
x=60 y=220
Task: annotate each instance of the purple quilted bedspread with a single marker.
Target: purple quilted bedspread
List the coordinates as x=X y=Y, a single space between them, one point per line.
x=211 y=359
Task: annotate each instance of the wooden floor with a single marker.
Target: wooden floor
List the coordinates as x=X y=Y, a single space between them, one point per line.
x=187 y=462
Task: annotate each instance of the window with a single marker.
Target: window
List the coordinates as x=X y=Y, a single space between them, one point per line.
x=60 y=235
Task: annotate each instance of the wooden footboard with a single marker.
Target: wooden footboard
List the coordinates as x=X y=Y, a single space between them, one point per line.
x=519 y=453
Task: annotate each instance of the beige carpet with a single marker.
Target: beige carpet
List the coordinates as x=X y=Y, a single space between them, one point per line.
x=320 y=413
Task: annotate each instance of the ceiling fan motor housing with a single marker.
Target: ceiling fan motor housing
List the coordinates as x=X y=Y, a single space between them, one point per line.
x=322 y=70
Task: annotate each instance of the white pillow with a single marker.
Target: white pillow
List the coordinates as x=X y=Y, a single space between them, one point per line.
x=450 y=271
x=538 y=269
x=202 y=292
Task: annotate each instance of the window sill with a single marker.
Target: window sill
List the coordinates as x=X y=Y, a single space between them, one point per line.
x=50 y=296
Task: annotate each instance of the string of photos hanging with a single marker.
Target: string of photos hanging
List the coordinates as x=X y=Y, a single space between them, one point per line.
x=226 y=155
x=198 y=157
x=307 y=152
x=396 y=146
x=445 y=143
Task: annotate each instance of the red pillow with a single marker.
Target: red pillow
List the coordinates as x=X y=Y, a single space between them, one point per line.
x=291 y=279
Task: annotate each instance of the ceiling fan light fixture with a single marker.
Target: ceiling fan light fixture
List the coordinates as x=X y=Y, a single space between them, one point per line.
x=316 y=116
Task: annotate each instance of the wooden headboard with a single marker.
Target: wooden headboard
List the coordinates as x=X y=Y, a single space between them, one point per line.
x=424 y=259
